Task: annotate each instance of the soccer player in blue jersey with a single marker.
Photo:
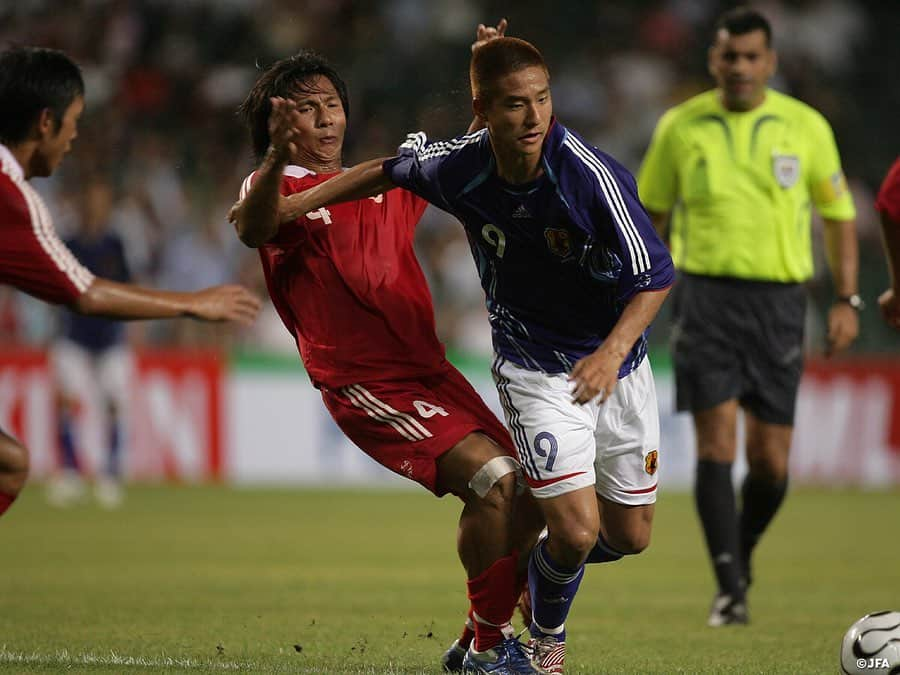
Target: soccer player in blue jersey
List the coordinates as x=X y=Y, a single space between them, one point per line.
x=91 y=361
x=573 y=273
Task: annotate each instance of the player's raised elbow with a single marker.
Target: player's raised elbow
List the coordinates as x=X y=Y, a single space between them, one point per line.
x=250 y=239
x=253 y=236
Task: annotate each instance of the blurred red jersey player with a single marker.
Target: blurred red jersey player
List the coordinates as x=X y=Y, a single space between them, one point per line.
x=41 y=100
x=348 y=287
x=888 y=204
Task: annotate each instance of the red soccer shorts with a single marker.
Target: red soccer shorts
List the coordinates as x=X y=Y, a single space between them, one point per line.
x=405 y=425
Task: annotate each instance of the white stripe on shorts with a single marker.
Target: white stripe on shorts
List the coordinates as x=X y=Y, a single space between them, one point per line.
x=406 y=424
x=402 y=430
x=520 y=437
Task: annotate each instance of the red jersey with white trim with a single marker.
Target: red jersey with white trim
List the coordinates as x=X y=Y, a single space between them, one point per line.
x=32 y=256
x=347 y=285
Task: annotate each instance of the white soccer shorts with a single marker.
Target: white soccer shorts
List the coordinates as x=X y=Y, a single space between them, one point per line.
x=564 y=446
x=79 y=373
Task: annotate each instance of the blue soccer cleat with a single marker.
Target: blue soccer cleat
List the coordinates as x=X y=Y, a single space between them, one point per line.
x=508 y=658
x=452 y=660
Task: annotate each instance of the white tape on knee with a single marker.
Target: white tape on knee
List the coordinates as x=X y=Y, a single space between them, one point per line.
x=492 y=471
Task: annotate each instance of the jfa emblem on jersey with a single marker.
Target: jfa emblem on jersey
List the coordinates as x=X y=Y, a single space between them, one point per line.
x=786 y=169
x=651 y=462
x=558 y=241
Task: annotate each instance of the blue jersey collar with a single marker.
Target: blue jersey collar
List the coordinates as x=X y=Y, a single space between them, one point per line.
x=550 y=153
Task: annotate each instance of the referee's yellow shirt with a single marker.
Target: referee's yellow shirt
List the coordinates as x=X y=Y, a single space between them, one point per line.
x=740 y=185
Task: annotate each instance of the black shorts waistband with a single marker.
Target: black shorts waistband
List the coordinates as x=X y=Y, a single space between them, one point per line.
x=743 y=284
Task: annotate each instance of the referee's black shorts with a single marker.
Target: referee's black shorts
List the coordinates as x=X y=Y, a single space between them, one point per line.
x=737 y=339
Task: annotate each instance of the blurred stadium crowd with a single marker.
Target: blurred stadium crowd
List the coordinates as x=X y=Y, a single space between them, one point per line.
x=164 y=154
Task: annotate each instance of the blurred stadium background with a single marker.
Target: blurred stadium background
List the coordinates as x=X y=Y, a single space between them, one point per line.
x=310 y=580
x=163 y=81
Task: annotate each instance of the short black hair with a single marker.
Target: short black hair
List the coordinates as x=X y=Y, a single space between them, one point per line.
x=32 y=79
x=743 y=20
x=285 y=78
x=499 y=58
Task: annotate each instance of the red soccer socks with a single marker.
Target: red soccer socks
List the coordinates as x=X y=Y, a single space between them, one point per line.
x=493 y=595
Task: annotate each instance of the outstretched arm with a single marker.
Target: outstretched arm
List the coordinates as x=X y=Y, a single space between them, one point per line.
x=363 y=180
x=367 y=179
x=127 y=301
x=47 y=269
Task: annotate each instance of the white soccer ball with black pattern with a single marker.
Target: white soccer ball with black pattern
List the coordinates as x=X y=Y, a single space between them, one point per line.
x=872 y=645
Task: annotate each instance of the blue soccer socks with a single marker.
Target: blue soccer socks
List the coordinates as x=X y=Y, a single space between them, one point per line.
x=603 y=552
x=553 y=588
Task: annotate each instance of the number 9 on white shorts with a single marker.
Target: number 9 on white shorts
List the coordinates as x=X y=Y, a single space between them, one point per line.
x=564 y=446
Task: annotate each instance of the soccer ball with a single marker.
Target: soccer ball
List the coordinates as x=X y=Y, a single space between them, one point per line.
x=872 y=645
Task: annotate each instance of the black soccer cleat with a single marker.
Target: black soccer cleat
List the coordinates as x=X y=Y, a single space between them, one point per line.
x=728 y=611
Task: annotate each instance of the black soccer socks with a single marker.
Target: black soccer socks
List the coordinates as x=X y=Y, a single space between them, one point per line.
x=716 y=507
x=761 y=500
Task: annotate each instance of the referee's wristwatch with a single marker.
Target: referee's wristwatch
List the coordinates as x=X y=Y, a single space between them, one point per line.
x=854 y=301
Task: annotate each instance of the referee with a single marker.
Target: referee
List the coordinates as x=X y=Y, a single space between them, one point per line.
x=736 y=170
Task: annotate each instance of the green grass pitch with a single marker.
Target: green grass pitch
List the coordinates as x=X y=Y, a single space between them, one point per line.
x=213 y=579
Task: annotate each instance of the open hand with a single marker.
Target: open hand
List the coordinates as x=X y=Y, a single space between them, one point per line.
x=225 y=303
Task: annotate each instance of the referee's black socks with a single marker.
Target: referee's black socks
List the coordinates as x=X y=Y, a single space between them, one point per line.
x=714 y=495
x=761 y=499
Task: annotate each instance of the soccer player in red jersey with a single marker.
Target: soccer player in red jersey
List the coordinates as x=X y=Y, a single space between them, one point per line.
x=888 y=204
x=347 y=285
x=41 y=99
x=573 y=273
